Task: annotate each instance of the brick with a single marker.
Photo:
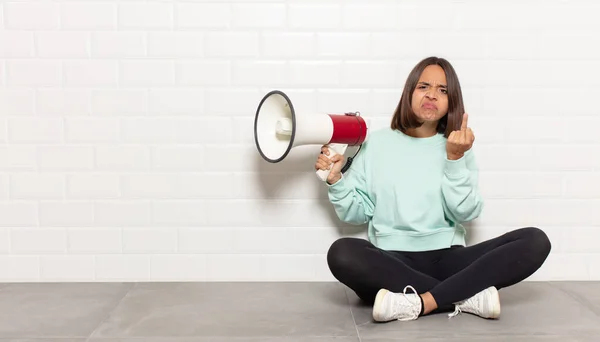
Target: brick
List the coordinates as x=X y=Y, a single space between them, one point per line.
x=147 y=15
x=93 y=186
x=288 y=44
x=66 y=214
x=203 y=15
x=176 y=158
x=344 y=45
x=88 y=16
x=18 y=214
x=32 y=15
x=84 y=73
x=122 y=158
x=17 y=102
x=16 y=44
x=177 y=101
x=170 y=44
x=311 y=17
x=178 y=267
x=37 y=186
x=258 y=15
x=144 y=73
x=117 y=213
x=119 y=102
x=66 y=158
x=122 y=267
x=62 y=44
x=65 y=102
x=369 y=16
x=315 y=73
x=149 y=240
x=70 y=268
x=117 y=44
x=35 y=130
x=33 y=73
x=232 y=44
x=19 y=268
x=18 y=158
x=203 y=73
x=86 y=130
x=38 y=240
x=249 y=73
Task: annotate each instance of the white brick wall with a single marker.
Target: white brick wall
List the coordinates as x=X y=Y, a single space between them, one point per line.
x=126 y=147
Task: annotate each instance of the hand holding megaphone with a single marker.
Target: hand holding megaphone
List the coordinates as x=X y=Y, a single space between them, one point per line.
x=329 y=164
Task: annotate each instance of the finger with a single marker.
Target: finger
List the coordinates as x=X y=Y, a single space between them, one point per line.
x=325 y=161
x=462 y=137
x=464 y=122
x=470 y=135
x=451 y=136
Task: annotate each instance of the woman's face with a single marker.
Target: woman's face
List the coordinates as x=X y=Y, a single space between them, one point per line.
x=430 y=98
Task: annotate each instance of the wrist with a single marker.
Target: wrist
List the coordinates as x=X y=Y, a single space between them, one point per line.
x=454 y=156
x=333 y=180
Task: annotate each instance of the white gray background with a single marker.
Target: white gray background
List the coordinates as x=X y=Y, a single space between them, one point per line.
x=126 y=141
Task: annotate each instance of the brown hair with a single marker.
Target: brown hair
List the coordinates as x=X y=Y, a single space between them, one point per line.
x=405 y=118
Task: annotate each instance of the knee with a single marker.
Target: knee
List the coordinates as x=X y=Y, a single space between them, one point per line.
x=342 y=253
x=538 y=241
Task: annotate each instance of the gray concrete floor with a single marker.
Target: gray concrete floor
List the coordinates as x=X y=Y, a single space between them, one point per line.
x=288 y=312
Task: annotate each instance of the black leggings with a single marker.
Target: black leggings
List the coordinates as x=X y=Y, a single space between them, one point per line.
x=450 y=275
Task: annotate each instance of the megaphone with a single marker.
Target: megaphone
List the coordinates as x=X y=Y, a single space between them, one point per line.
x=278 y=129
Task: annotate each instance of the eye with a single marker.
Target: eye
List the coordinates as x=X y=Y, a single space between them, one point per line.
x=444 y=91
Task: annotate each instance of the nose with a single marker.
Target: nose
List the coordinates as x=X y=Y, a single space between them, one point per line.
x=430 y=94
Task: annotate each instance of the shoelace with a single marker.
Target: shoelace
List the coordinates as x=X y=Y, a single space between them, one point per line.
x=456 y=312
x=473 y=302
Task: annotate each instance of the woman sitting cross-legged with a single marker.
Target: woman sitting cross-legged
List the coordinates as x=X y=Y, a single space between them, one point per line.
x=415 y=183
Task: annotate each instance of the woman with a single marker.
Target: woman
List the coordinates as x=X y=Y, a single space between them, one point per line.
x=415 y=183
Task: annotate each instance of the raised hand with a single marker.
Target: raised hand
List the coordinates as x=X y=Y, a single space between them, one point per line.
x=460 y=141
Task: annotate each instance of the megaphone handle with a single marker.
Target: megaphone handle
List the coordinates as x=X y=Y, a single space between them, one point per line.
x=333 y=150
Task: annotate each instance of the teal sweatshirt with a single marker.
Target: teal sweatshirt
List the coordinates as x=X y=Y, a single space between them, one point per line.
x=412 y=197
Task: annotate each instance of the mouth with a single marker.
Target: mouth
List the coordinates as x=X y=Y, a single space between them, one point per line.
x=429 y=106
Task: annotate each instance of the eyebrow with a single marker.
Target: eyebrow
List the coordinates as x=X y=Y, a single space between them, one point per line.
x=441 y=85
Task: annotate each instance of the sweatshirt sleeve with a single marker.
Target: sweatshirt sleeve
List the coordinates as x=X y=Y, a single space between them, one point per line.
x=460 y=188
x=349 y=194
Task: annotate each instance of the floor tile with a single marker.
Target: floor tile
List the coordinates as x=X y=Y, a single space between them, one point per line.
x=43 y=340
x=496 y=338
x=231 y=310
x=586 y=293
x=56 y=309
x=528 y=308
x=231 y=339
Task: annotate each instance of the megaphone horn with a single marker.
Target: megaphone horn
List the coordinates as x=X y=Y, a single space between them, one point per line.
x=277 y=129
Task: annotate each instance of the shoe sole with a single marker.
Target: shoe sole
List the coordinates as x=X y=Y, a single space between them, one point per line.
x=495 y=300
x=377 y=307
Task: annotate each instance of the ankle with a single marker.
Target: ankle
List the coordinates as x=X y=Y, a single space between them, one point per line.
x=428 y=303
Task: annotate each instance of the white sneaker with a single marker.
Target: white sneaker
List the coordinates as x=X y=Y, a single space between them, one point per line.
x=485 y=304
x=391 y=306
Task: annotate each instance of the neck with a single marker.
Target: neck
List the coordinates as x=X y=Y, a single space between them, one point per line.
x=428 y=129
